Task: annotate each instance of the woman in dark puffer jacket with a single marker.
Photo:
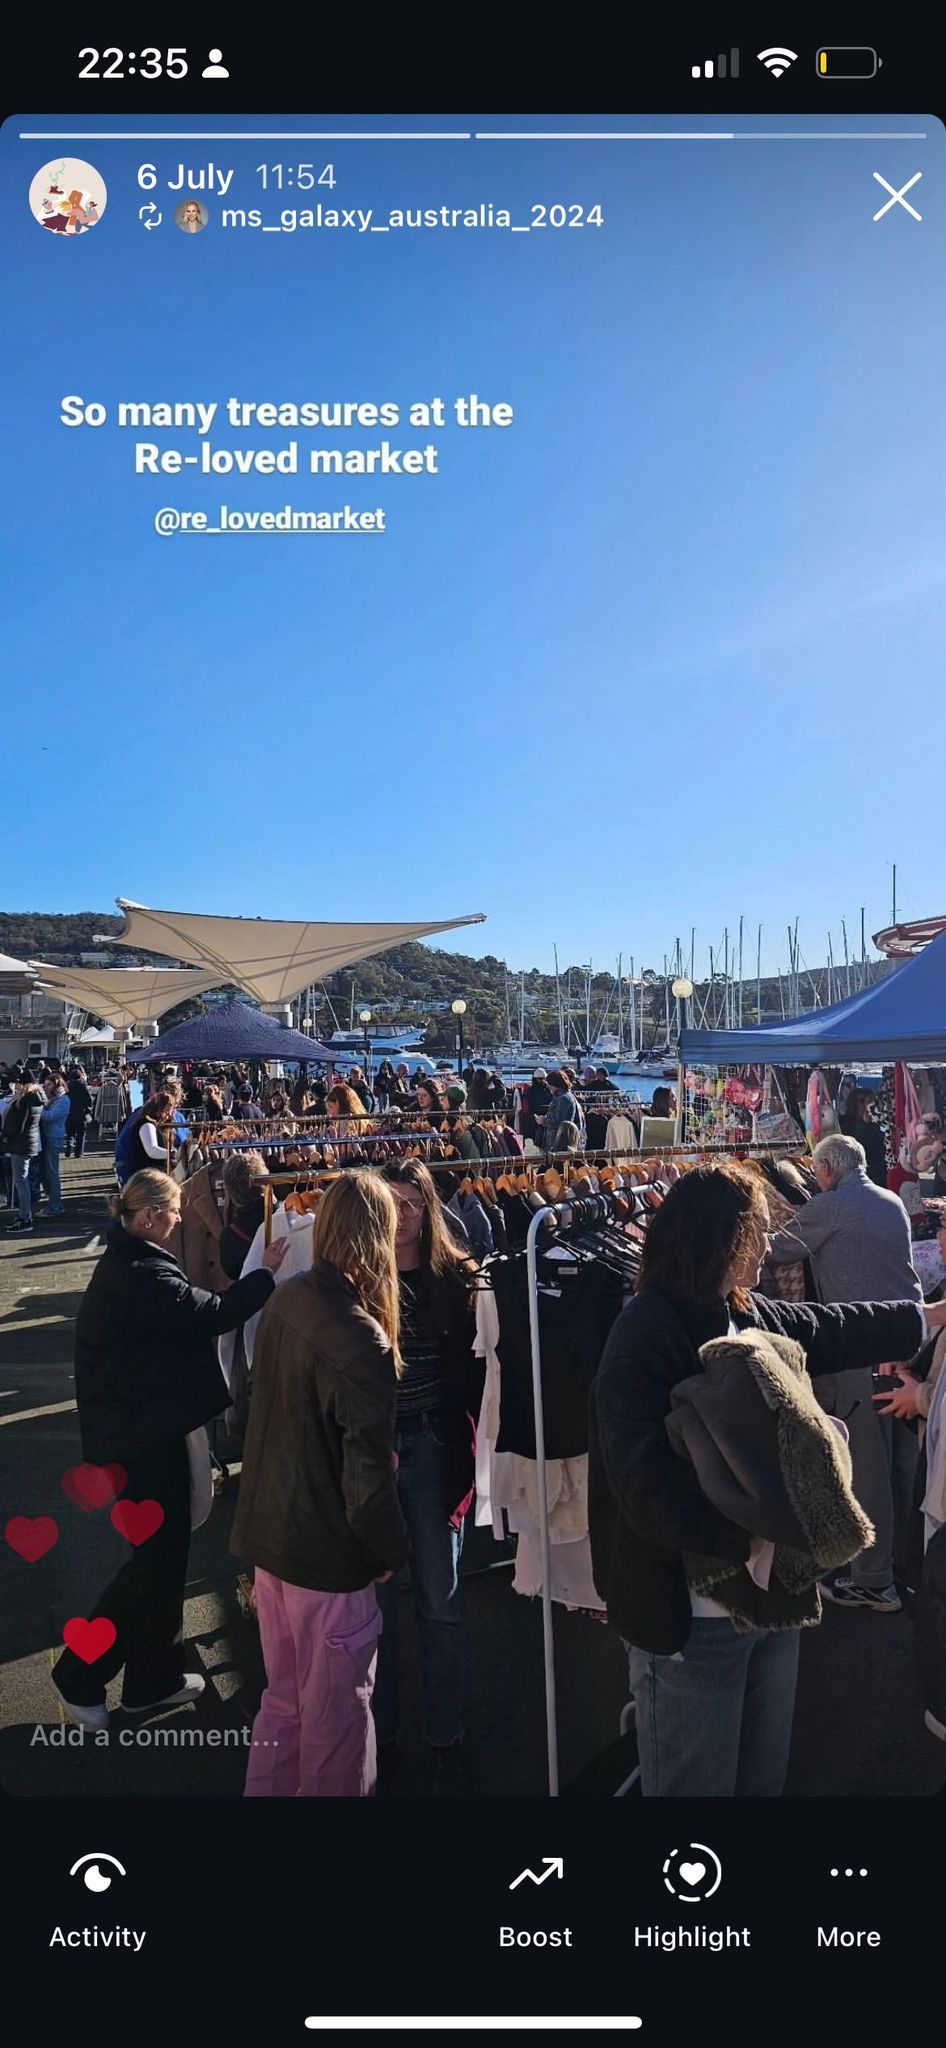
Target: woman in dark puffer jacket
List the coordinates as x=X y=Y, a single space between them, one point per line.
x=146 y=1378
x=714 y=1703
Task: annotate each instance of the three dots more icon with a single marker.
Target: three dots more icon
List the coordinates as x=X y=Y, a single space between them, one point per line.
x=837 y=1871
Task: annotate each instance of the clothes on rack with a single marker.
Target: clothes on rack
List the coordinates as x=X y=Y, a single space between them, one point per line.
x=471 y=1212
x=200 y=1231
x=507 y=1486
x=581 y=1289
x=295 y=1226
x=579 y=1299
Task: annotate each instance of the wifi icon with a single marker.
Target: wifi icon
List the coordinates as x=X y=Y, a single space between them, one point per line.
x=777 y=61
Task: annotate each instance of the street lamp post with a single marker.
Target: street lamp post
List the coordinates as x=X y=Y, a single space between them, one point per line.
x=682 y=988
x=364 y=1019
x=459 y=1011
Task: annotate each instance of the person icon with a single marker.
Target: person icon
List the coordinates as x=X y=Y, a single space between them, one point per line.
x=214 y=67
x=191 y=216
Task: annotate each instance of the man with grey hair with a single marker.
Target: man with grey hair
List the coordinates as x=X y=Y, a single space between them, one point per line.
x=857 y=1239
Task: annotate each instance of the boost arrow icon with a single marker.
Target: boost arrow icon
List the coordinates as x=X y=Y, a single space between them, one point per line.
x=554 y=1866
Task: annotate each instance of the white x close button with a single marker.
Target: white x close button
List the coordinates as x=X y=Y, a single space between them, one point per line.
x=897 y=198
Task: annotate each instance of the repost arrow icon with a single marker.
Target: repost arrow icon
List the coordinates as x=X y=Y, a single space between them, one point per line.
x=554 y=1867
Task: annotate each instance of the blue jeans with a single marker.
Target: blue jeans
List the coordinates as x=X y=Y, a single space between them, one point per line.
x=715 y=1721
x=22 y=1197
x=435 y=1556
x=49 y=1166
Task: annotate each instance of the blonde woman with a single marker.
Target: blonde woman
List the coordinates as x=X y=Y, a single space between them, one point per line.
x=192 y=219
x=146 y=1377
x=318 y=1513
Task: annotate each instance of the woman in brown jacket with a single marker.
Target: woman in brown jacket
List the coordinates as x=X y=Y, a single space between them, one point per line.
x=318 y=1513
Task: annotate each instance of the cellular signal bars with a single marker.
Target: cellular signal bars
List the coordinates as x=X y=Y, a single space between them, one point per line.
x=717 y=67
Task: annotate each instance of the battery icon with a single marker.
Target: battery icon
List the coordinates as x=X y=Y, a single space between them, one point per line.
x=850 y=62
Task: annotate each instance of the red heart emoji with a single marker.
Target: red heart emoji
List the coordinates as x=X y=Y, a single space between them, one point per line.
x=94 y=1486
x=31 y=1539
x=137 y=1519
x=89 y=1639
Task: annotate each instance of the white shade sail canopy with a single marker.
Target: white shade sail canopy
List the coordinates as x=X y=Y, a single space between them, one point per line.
x=125 y=996
x=16 y=977
x=273 y=959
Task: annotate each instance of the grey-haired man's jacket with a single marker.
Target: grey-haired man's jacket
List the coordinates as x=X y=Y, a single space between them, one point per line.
x=857 y=1237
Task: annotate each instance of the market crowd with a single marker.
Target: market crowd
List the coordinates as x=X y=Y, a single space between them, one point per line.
x=767 y=1431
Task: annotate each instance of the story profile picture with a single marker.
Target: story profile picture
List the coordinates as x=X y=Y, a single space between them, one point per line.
x=191 y=216
x=68 y=197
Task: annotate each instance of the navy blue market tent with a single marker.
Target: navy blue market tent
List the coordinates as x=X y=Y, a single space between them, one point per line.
x=901 y=1018
x=235 y=1031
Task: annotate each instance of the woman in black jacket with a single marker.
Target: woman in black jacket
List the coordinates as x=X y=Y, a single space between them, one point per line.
x=22 y=1143
x=437 y=1396
x=80 y=1110
x=146 y=1376
x=714 y=1704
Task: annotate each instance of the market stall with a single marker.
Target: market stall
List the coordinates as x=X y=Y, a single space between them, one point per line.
x=806 y=1071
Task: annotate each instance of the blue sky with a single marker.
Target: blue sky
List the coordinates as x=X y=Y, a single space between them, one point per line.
x=666 y=651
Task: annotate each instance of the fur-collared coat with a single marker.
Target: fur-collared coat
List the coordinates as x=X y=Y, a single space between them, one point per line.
x=645 y=1506
x=769 y=1459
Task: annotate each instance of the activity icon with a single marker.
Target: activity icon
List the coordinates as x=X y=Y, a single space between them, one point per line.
x=693 y=1873
x=94 y=1879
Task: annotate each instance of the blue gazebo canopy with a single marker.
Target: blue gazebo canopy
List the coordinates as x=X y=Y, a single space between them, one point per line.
x=235 y=1031
x=900 y=1018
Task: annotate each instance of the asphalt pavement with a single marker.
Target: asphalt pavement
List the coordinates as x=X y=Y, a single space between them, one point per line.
x=859 y=1719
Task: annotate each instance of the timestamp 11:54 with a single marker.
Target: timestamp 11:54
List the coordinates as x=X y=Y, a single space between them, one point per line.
x=303 y=176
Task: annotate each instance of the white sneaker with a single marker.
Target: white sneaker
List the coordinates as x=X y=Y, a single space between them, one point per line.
x=935 y=1727
x=191 y=1689
x=82 y=1717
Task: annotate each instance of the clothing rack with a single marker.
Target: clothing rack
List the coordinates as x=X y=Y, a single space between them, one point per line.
x=585 y=1211
x=627 y=1162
